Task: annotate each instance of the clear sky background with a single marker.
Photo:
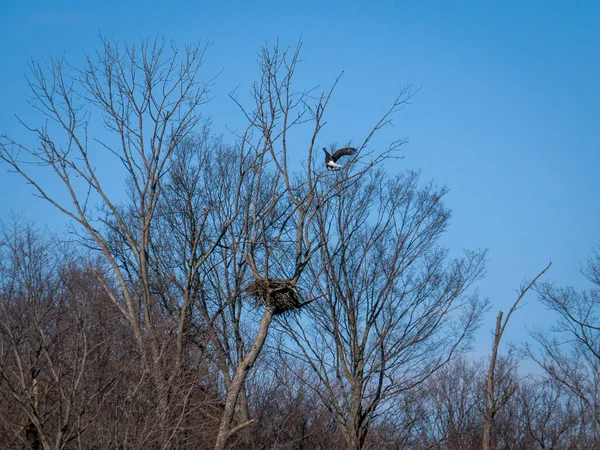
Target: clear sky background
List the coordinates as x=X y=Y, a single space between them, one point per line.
x=507 y=115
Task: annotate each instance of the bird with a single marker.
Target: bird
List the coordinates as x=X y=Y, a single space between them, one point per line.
x=330 y=160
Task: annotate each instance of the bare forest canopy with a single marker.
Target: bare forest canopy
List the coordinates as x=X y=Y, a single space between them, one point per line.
x=240 y=293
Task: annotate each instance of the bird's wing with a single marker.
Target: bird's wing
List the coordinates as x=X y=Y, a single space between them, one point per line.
x=343 y=152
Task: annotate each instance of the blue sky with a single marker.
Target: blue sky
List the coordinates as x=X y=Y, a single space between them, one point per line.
x=507 y=114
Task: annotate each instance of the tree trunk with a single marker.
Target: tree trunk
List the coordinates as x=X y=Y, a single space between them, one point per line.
x=238 y=382
x=490 y=402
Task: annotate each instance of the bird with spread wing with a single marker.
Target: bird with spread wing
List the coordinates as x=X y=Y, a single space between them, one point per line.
x=330 y=160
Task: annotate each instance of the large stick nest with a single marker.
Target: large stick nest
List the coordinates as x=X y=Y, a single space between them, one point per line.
x=282 y=295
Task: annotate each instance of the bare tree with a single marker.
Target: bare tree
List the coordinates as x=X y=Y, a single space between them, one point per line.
x=269 y=248
x=288 y=414
x=571 y=354
x=210 y=242
x=148 y=102
x=550 y=417
x=147 y=98
x=494 y=400
x=391 y=308
x=453 y=397
x=49 y=346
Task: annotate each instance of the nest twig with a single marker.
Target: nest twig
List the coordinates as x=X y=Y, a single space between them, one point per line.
x=282 y=295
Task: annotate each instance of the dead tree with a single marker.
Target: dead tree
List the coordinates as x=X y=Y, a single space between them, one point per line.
x=493 y=403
